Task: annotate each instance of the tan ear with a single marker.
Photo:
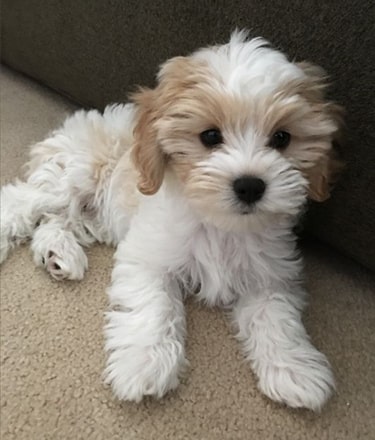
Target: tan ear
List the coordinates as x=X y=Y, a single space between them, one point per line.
x=325 y=172
x=323 y=175
x=147 y=155
x=174 y=77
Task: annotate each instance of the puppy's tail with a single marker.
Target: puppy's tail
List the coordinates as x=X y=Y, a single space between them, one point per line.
x=21 y=206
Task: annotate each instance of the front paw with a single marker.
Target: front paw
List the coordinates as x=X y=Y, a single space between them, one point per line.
x=136 y=371
x=304 y=380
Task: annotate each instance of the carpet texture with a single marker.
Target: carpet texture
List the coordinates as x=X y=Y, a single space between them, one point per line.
x=52 y=342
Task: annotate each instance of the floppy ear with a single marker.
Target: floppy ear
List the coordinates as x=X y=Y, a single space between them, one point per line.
x=147 y=155
x=323 y=174
x=175 y=76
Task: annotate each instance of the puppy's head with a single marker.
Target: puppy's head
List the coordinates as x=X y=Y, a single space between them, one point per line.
x=246 y=132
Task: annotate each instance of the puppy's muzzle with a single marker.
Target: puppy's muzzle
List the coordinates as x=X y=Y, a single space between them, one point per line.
x=249 y=189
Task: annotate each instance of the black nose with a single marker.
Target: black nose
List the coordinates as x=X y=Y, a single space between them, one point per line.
x=249 y=189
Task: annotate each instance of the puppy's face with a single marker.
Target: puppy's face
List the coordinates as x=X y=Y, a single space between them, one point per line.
x=246 y=132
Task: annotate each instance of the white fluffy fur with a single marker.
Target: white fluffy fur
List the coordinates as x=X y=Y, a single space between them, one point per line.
x=81 y=188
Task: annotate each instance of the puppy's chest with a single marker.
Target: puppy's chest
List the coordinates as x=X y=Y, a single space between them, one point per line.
x=220 y=266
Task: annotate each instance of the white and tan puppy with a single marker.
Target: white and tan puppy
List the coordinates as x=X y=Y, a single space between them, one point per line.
x=199 y=184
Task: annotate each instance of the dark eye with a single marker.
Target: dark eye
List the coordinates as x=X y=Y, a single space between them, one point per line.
x=280 y=140
x=211 y=138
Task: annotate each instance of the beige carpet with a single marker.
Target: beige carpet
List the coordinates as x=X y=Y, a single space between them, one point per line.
x=52 y=343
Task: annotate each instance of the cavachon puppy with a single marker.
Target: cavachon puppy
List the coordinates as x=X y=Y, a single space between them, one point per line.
x=198 y=183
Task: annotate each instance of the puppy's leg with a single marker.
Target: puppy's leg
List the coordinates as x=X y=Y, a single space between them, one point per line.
x=289 y=368
x=22 y=205
x=57 y=249
x=145 y=331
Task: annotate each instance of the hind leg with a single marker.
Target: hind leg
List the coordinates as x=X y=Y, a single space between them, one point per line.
x=58 y=251
x=22 y=205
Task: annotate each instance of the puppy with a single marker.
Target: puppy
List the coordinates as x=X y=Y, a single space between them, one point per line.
x=199 y=183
